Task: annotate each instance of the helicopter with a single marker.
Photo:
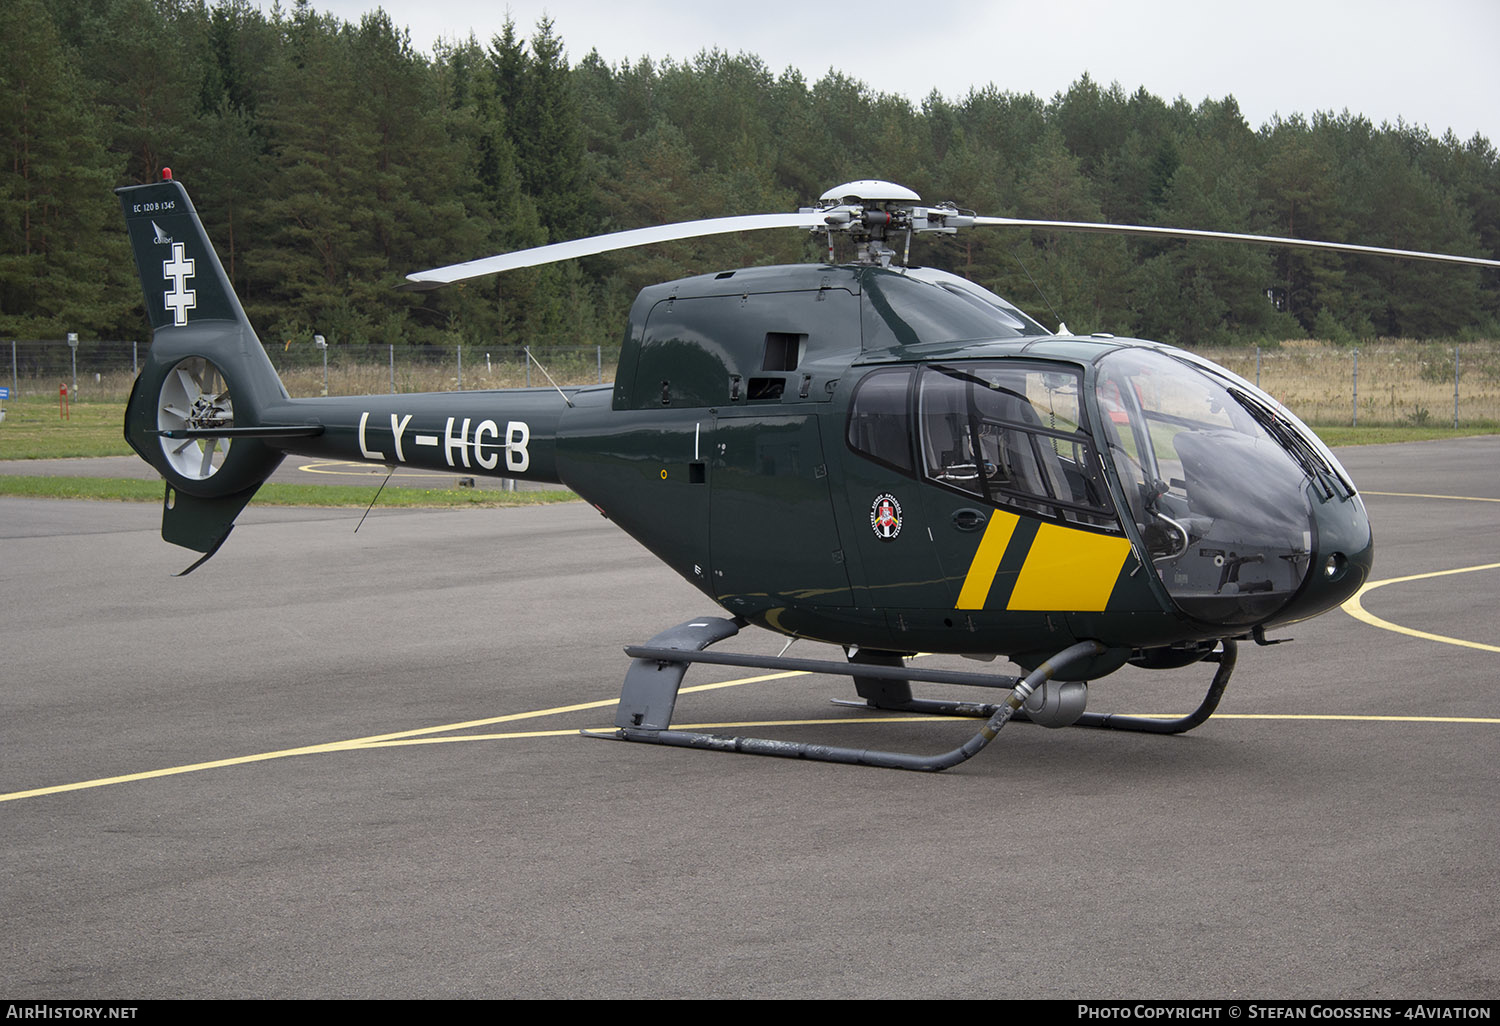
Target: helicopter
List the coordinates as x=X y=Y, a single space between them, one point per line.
x=874 y=454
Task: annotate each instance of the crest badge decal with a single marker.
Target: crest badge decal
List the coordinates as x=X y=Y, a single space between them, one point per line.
x=179 y=298
x=885 y=517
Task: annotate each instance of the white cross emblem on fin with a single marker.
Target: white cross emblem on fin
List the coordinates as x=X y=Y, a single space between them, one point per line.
x=179 y=298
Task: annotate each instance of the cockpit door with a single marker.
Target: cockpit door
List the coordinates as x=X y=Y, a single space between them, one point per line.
x=1012 y=482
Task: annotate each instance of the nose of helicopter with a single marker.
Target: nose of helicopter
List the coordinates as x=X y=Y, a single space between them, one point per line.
x=1342 y=556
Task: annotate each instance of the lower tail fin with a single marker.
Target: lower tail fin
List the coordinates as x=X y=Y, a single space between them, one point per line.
x=195 y=411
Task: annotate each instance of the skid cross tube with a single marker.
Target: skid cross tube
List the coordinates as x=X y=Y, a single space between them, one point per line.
x=657 y=668
x=670 y=655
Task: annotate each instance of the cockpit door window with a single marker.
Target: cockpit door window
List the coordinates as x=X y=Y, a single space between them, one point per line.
x=1015 y=436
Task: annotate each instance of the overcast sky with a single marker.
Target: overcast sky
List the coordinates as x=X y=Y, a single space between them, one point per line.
x=1434 y=62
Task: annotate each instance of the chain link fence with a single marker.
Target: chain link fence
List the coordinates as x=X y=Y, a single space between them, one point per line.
x=1384 y=383
x=103 y=371
x=1376 y=384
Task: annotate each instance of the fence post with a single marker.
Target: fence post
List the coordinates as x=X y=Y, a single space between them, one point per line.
x=599 y=359
x=135 y=361
x=15 y=382
x=528 y=365
x=1257 y=366
x=1455 y=384
x=460 y=366
x=322 y=343
x=1354 y=421
x=393 y=369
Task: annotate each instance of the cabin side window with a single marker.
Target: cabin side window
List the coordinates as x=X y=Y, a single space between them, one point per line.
x=1013 y=435
x=879 y=418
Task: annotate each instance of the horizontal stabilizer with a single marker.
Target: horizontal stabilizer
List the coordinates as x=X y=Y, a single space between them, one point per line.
x=272 y=431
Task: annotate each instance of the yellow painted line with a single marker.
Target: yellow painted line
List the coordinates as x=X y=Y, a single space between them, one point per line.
x=1354 y=607
x=732 y=683
x=912 y=718
x=1371 y=719
x=573 y=731
x=1420 y=495
x=987 y=560
x=512 y=736
x=366 y=470
x=174 y=770
x=423 y=735
x=375 y=740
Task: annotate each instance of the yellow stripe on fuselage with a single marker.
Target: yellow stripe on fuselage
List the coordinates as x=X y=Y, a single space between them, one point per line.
x=1068 y=569
x=987 y=560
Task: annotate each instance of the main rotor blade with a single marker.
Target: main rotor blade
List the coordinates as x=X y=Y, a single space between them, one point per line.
x=440 y=276
x=1265 y=240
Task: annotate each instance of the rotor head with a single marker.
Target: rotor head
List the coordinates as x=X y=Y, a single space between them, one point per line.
x=869 y=210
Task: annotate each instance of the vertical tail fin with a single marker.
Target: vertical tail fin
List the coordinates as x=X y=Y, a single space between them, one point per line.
x=181 y=276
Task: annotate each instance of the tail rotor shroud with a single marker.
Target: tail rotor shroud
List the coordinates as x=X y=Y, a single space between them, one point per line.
x=195 y=397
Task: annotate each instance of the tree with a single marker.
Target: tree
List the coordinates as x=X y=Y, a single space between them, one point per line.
x=536 y=90
x=64 y=263
x=329 y=158
x=1303 y=199
x=1084 y=276
x=142 y=62
x=1394 y=202
x=1206 y=293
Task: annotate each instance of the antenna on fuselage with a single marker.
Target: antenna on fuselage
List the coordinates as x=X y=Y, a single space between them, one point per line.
x=548 y=377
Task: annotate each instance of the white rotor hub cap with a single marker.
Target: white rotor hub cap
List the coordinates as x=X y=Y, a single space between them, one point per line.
x=869 y=191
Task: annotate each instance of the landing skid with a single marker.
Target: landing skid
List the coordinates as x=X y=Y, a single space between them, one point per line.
x=657 y=668
x=1099 y=721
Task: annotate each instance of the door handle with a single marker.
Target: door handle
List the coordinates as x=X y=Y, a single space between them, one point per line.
x=968 y=519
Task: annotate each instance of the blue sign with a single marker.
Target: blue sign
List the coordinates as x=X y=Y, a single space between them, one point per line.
x=4 y=392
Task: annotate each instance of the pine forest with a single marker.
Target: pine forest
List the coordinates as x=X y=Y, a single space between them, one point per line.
x=329 y=159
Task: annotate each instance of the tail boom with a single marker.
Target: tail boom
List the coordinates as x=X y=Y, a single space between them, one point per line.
x=505 y=433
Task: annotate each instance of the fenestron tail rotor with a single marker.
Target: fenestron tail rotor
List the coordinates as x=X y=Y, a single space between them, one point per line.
x=871 y=212
x=195 y=397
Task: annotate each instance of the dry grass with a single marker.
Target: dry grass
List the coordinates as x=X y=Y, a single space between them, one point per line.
x=355 y=370
x=1399 y=381
x=429 y=372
